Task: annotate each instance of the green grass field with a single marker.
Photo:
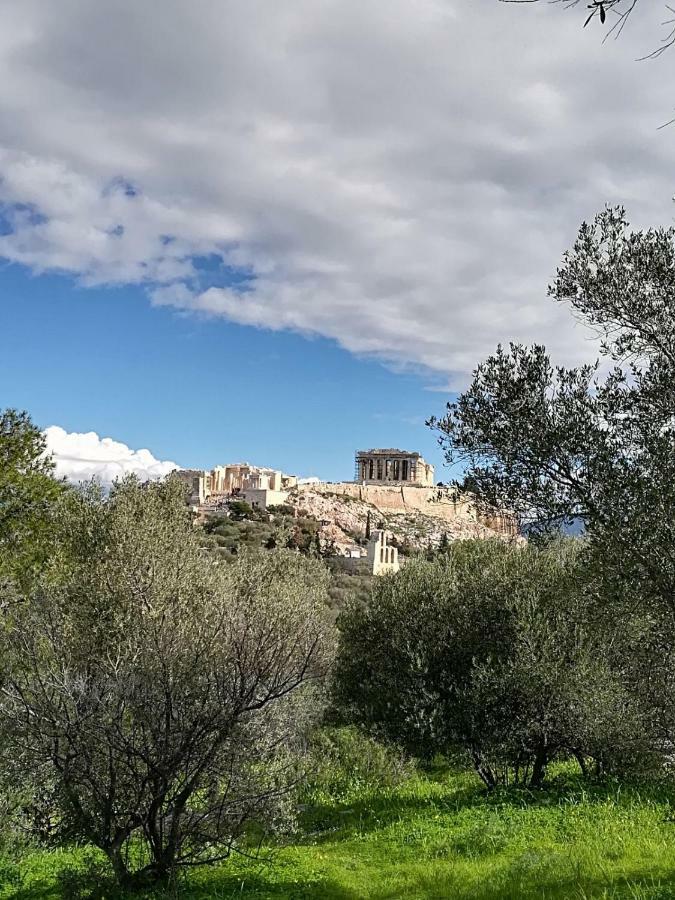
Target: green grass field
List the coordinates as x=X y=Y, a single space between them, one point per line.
x=435 y=837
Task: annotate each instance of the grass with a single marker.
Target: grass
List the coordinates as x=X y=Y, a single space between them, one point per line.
x=436 y=836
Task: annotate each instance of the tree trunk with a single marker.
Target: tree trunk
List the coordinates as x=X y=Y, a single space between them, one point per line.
x=539 y=767
x=122 y=875
x=484 y=772
x=579 y=756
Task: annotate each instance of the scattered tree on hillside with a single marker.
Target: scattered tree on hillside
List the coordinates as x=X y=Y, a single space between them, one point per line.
x=255 y=528
x=240 y=510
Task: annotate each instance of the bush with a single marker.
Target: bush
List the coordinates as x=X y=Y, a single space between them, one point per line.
x=494 y=649
x=162 y=695
x=281 y=509
x=349 y=586
x=344 y=761
x=17 y=806
x=240 y=509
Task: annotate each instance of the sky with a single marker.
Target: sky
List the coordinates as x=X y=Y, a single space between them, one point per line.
x=281 y=232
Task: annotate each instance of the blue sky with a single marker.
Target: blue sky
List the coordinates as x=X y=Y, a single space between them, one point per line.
x=264 y=231
x=199 y=391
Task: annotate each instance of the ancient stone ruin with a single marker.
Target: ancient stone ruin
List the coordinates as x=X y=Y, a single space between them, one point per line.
x=381 y=466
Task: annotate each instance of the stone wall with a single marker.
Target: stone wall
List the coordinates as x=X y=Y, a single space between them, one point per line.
x=404 y=499
x=263 y=497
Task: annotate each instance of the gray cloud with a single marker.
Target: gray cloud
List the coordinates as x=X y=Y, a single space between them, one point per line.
x=400 y=177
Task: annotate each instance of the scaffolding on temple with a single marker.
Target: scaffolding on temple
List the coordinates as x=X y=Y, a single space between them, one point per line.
x=392 y=466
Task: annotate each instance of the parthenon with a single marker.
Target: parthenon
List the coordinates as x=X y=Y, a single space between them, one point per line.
x=387 y=466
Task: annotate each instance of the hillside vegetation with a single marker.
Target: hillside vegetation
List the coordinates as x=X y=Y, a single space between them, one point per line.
x=251 y=529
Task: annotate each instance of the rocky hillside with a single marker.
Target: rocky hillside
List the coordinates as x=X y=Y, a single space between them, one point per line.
x=343 y=518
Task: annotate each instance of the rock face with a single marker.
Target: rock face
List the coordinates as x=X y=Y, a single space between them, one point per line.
x=416 y=516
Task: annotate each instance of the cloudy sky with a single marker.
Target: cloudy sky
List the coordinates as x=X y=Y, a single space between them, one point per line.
x=276 y=231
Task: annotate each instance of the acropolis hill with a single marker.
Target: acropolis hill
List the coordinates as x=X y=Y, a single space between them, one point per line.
x=392 y=488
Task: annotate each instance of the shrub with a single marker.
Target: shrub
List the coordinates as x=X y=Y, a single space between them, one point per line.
x=162 y=695
x=240 y=509
x=490 y=648
x=281 y=509
x=345 y=586
x=344 y=761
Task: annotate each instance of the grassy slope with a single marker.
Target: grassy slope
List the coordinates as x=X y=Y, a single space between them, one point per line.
x=443 y=839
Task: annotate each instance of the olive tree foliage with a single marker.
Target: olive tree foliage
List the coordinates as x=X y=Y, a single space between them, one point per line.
x=592 y=443
x=160 y=691
x=28 y=492
x=493 y=649
x=614 y=15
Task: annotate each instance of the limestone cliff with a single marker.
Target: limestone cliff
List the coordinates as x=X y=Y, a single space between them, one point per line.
x=417 y=516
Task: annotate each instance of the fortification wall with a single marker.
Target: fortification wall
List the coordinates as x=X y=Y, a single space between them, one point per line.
x=405 y=499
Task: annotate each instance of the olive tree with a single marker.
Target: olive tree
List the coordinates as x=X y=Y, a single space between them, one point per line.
x=614 y=15
x=160 y=691
x=493 y=649
x=586 y=444
x=28 y=492
x=594 y=444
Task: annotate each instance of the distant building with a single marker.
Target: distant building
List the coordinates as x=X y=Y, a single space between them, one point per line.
x=258 y=486
x=195 y=485
x=382 y=558
x=382 y=466
x=354 y=552
x=239 y=477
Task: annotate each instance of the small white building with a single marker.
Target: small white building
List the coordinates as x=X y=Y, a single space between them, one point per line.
x=354 y=552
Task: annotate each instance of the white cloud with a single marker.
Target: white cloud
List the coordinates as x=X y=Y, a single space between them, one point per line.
x=80 y=457
x=401 y=177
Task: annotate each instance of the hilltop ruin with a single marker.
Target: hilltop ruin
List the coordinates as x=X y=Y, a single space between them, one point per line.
x=393 y=490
